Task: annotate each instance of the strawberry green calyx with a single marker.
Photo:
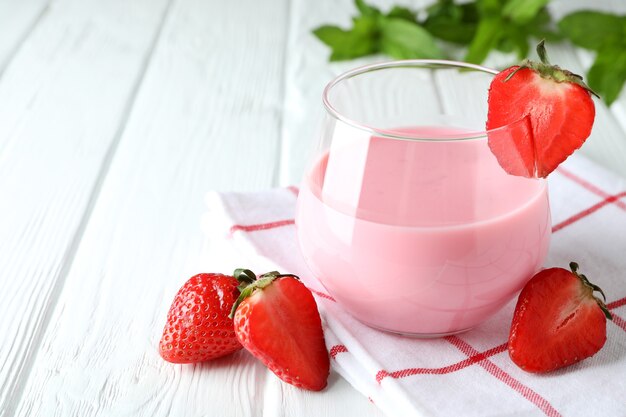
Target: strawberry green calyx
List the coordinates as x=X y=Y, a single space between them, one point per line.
x=552 y=72
x=249 y=284
x=591 y=288
x=245 y=277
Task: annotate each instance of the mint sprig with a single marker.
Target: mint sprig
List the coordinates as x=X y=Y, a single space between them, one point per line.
x=353 y=43
x=605 y=34
x=506 y=25
x=482 y=26
x=451 y=22
x=396 y=33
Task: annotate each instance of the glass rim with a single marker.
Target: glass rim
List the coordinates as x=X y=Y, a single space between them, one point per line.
x=419 y=63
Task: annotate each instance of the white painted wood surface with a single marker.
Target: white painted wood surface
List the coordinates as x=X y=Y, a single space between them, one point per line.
x=17 y=20
x=115 y=118
x=64 y=96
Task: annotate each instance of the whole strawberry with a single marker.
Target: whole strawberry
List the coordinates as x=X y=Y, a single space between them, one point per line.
x=198 y=327
x=558 y=321
x=548 y=113
x=277 y=321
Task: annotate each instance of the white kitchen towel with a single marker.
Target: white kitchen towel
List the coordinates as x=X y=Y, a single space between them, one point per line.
x=469 y=374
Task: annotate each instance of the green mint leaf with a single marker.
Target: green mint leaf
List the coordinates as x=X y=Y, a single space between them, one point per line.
x=359 y=41
x=592 y=30
x=489 y=7
x=541 y=27
x=469 y=13
x=401 y=39
x=451 y=22
x=366 y=9
x=523 y=11
x=402 y=13
x=514 y=39
x=450 y=31
x=518 y=37
x=331 y=35
x=445 y=8
x=607 y=75
x=547 y=35
x=541 y=19
x=488 y=34
x=505 y=45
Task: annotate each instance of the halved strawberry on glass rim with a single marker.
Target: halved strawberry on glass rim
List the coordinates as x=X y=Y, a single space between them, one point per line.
x=544 y=113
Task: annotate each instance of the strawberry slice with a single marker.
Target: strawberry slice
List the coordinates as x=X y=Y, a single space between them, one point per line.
x=277 y=321
x=558 y=321
x=548 y=112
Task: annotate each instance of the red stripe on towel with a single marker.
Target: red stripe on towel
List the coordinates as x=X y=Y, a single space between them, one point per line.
x=588 y=211
x=503 y=376
x=261 y=226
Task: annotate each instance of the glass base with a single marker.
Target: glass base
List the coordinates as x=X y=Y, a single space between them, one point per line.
x=417 y=335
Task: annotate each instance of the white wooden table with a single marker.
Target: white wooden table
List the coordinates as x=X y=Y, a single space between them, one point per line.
x=116 y=117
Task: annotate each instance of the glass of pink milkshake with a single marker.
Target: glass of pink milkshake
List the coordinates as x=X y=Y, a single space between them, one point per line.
x=404 y=214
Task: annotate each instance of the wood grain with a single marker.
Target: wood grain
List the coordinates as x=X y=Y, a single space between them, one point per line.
x=207 y=116
x=62 y=99
x=17 y=20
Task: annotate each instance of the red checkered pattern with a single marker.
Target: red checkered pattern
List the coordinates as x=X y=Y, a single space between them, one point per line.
x=576 y=202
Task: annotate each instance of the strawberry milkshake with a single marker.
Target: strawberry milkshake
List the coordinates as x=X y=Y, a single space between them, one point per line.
x=421 y=237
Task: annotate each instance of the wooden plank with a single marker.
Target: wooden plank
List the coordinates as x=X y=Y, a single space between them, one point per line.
x=338 y=399
x=62 y=99
x=17 y=20
x=203 y=120
x=207 y=116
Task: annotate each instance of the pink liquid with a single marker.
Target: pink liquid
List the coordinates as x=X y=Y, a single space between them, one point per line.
x=421 y=237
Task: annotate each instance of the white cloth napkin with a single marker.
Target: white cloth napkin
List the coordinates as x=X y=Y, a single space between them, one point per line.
x=469 y=374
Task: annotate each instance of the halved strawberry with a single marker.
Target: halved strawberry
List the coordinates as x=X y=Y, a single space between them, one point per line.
x=277 y=321
x=558 y=321
x=549 y=113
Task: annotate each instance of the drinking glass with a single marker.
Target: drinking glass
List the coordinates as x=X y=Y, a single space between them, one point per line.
x=404 y=214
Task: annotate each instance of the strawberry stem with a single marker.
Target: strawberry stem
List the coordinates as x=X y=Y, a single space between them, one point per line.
x=574 y=267
x=542 y=52
x=549 y=71
x=523 y=65
x=288 y=275
x=271 y=273
x=244 y=275
x=245 y=293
